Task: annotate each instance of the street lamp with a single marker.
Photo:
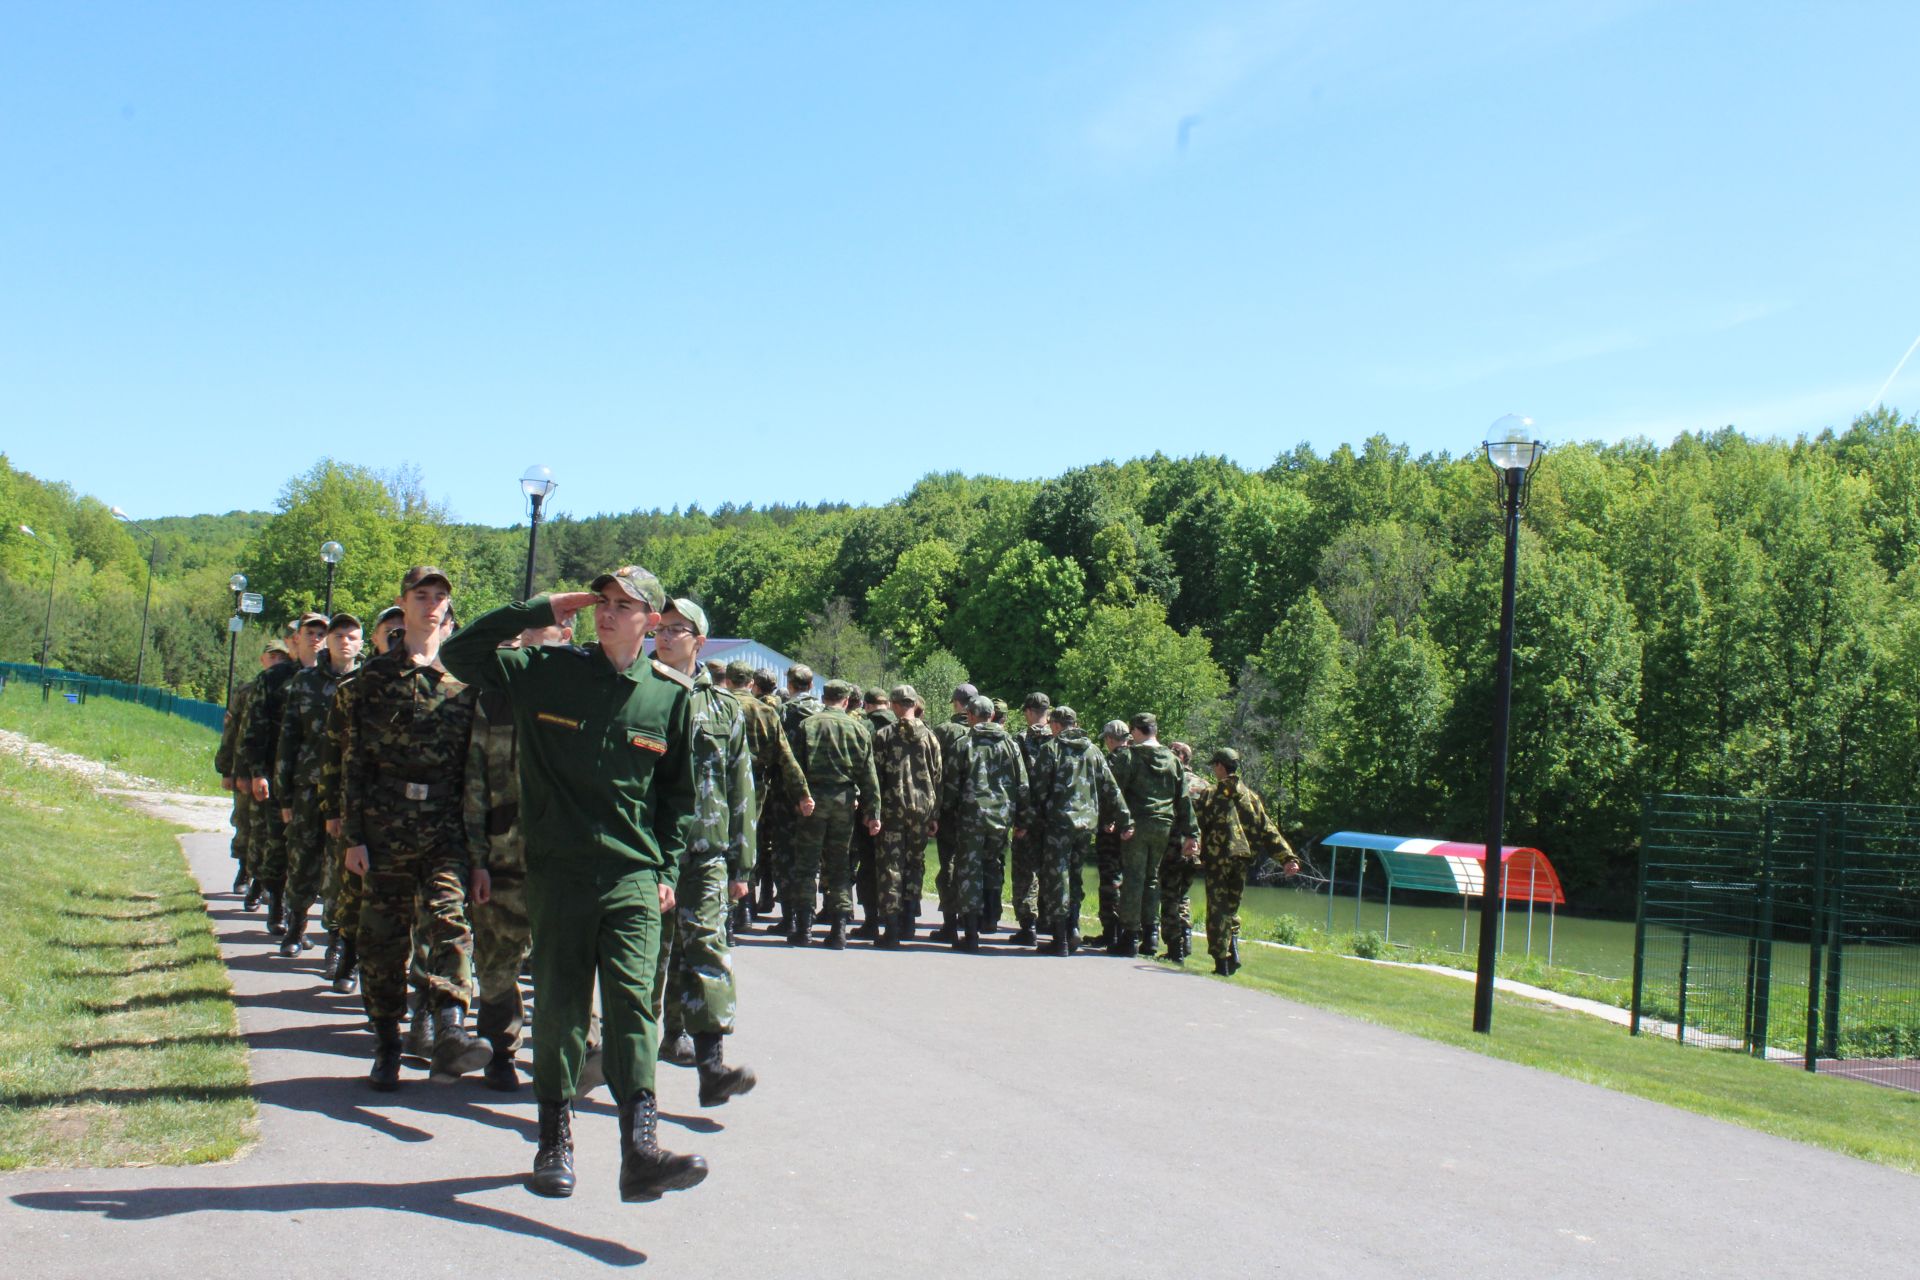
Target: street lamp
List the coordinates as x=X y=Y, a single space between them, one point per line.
x=153 y=549
x=238 y=583
x=1511 y=452
x=46 y=628
x=536 y=483
x=331 y=552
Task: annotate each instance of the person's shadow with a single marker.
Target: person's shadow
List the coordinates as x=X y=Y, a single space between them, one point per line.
x=433 y=1199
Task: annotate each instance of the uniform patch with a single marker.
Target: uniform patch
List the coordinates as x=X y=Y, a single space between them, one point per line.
x=548 y=717
x=645 y=743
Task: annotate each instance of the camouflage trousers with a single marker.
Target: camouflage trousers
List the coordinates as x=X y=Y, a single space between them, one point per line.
x=900 y=864
x=773 y=843
x=267 y=838
x=335 y=910
x=502 y=938
x=594 y=923
x=978 y=868
x=1062 y=855
x=861 y=853
x=693 y=982
x=409 y=874
x=1140 y=876
x=947 y=848
x=822 y=848
x=306 y=843
x=243 y=829
x=1225 y=885
x=1176 y=887
x=1029 y=856
x=1106 y=856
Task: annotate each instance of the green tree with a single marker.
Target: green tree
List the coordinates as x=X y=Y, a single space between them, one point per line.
x=384 y=525
x=836 y=647
x=1011 y=629
x=1377 y=767
x=909 y=607
x=1127 y=660
x=1303 y=667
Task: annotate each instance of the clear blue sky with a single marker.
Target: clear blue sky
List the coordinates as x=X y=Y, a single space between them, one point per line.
x=867 y=241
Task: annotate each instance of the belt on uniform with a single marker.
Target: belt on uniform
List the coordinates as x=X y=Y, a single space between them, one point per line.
x=419 y=790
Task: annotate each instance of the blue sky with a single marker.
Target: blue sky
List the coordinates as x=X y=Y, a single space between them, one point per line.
x=704 y=253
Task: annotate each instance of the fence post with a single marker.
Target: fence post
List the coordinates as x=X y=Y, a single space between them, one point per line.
x=1640 y=917
x=1836 y=925
x=1686 y=963
x=1816 y=926
x=1760 y=965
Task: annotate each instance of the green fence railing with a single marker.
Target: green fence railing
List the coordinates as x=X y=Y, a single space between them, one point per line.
x=77 y=686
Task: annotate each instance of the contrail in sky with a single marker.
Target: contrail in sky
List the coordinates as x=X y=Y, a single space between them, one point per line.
x=1890 y=377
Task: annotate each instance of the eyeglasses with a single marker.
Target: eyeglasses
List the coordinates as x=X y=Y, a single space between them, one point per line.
x=674 y=631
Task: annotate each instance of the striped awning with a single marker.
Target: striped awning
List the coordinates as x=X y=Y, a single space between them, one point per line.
x=1453 y=866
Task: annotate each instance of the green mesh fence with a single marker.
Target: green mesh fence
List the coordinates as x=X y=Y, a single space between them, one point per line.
x=77 y=686
x=1784 y=929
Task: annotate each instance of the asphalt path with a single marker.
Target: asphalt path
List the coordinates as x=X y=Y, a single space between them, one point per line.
x=927 y=1113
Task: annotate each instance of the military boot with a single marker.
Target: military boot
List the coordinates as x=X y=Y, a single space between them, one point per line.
x=1056 y=943
x=385 y=1076
x=553 y=1160
x=1026 y=936
x=869 y=930
x=906 y=922
x=946 y=932
x=455 y=1050
x=1220 y=966
x=1186 y=941
x=801 y=931
x=254 y=890
x=1150 y=943
x=295 y=940
x=970 y=937
x=718 y=1081
x=500 y=1074
x=646 y=1172
x=343 y=968
x=1129 y=946
x=677 y=1050
x=889 y=935
x=419 y=1041
x=276 y=907
x=240 y=878
x=1233 y=956
x=837 y=935
x=332 y=957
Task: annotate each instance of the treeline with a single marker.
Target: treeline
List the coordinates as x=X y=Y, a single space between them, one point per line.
x=1721 y=615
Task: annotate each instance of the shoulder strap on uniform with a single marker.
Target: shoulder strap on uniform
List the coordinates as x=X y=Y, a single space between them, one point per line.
x=680 y=678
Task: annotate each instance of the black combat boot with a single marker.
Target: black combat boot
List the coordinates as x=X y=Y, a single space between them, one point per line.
x=646 y=1172
x=1025 y=936
x=240 y=878
x=837 y=934
x=553 y=1160
x=906 y=922
x=677 y=1050
x=800 y=931
x=276 y=918
x=1129 y=945
x=295 y=940
x=1073 y=938
x=254 y=890
x=946 y=932
x=455 y=1051
x=419 y=1040
x=889 y=935
x=718 y=1081
x=343 y=967
x=385 y=1076
x=1056 y=944
x=1150 y=944
x=1233 y=956
x=332 y=957
x=869 y=930
x=970 y=935
x=1220 y=966
x=494 y=1023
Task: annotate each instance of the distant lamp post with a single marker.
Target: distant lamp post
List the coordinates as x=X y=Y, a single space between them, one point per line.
x=1511 y=452
x=537 y=484
x=238 y=583
x=153 y=549
x=331 y=552
x=46 y=628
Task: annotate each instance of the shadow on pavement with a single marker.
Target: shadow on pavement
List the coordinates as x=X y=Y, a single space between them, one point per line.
x=432 y=1199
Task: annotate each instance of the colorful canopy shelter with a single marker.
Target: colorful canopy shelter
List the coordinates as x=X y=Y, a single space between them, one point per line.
x=1450 y=866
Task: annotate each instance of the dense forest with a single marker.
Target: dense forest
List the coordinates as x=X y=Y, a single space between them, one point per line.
x=1722 y=615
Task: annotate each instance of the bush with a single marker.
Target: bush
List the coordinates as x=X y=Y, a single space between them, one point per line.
x=1288 y=931
x=1371 y=945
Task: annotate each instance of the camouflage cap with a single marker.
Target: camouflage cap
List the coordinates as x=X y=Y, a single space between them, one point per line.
x=740 y=669
x=1036 y=702
x=421 y=573
x=392 y=611
x=311 y=618
x=692 y=613
x=999 y=708
x=965 y=693
x=1063 y=714
x=1226 y=756
x=835 y=691
x=903 y=694
x=876 y=696
x=279 y=647
x=1114 y=729
x=636 y=582
x=342 y=622
x=981 y=707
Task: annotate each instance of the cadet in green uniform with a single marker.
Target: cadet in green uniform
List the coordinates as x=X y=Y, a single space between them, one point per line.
x=907 y=757
x=1027 y=849
x=341 y=891
x=233 y=770
x=1156 y=792
x=875 y=714
x=260 y=748
x=693 y=991
x=606 y=807
x=296 y=774
x=836 y=751
x=1077 y=796
x=950 y=733
x=777 y=776
x=1106 y=845
x=983 y=782
x=1178 y=866
x=1233 y=827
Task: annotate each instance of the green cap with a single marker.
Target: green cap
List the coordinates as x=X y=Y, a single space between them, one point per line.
x=739 y=669
x=981 y=707
x=904 y=695
x=636 y=582
x=424 y=573
x=1226 y=756
x=311 y=618
x=343 y=622
x=836 y=691
x=692 y=613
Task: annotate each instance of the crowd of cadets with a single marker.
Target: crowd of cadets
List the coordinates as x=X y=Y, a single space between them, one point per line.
x=386 y=794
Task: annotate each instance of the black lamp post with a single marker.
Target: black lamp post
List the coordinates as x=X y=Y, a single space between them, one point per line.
x=537 y=483
x=331 y=552
x=153 y=549
x=238 y=582
x=1511 y=452
x=46 y=628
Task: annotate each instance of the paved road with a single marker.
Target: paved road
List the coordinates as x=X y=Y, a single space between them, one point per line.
x=924 y=1113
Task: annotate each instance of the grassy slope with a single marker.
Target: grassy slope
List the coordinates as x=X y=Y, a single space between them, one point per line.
x=118 y=1039
x=174 y=752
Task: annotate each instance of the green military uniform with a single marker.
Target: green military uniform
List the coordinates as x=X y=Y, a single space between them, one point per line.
x=490 y=813
x=259 y=747
x=607 y=805
x=865 y=886
x=781 y=819
x=984 y=783
x=1177 y=871
x=227 y=763
x=296 y=776
x=1028 y=849
x=340 y=889
x=950 y=735
x=693 y=988
x=1079 y=796
x=1234 y=829
x=836 y=751
x=907 y=759
x=1106 y=856
x=779 y=783
x=1154 y=785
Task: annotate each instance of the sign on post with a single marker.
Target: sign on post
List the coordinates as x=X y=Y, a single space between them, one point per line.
x=252 y=602
x=236 y=623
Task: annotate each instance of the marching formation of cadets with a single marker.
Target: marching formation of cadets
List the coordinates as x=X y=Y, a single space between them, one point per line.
x=461 y=808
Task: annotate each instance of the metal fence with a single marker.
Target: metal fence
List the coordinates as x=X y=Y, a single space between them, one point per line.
x=1785 y=929
x=76 y=686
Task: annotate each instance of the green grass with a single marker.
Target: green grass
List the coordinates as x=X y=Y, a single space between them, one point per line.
x=118 y=1038
x=174 y=752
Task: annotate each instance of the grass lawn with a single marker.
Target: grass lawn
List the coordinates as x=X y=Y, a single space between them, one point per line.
x=174 y=752
x=118 y=1039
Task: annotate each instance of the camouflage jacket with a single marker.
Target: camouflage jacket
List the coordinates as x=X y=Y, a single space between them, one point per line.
x=407 y=732
x=303 y=731
x=328 y=792
x=1154 y=783
x=723 y=808
x=1035 y=741
x=837 y=752
x=907 y=757
x=226 y=760
x=984 y=781
x=1075 y=788
x=795 y=713
x=260 y=736
x=1234 y=826
x=949 y=734
x=490 y=791
x=880 y=719
x=775 y=771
